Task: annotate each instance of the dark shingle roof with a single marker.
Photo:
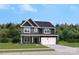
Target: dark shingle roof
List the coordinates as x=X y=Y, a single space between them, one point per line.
x=39 y=23
x=44 y=24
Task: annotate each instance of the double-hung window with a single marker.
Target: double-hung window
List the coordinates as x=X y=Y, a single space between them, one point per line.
x=35 y=30
x=46 y=31
x=27 y=30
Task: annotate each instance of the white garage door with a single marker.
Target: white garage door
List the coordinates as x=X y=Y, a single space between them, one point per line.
x=48 y=40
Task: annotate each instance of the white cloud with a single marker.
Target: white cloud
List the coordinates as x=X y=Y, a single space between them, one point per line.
x=7 y=7
x=27 y=7
x=22 y=8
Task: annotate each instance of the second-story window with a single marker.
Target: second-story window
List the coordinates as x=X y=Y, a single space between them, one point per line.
x=26 y=30
x=46 y=31
x=35 y=30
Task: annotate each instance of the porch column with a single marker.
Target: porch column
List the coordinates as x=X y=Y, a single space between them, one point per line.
x=39 y=40
x=32 y=39
x=21 y=39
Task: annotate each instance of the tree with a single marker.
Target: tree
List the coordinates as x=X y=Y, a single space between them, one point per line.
x=9 y=33
x=68 y=32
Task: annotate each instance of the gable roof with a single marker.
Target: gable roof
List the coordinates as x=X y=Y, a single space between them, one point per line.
x=32 y=22
x=26 y=24
x=37 y=23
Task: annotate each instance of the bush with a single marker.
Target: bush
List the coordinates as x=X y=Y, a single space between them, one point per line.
x=15 y=40
x=4 y=40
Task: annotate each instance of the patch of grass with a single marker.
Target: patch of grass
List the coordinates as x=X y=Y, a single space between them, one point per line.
x=18 y=46
x=27 y=50
x=69 y=44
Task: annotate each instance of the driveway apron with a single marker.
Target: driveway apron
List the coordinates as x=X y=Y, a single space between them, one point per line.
x=64 y=49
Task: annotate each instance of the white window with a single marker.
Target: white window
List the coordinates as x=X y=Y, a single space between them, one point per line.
x=35 y=30
x=46 y=31
x=27 y=30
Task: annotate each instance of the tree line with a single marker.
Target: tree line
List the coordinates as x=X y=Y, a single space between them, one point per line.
x=69 y=33
x=11 y=32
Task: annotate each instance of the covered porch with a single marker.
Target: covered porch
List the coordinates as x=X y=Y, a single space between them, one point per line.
x=30 y=40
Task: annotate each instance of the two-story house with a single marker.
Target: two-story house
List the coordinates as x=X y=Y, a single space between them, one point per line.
x=38 y=32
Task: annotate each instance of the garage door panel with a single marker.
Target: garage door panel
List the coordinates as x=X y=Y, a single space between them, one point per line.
x=48 y=40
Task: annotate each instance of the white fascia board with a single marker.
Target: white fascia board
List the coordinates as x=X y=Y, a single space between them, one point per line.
x=36 y=23
x=37 y=35
x=26 y=26
x=24 y=23
x=30 y=23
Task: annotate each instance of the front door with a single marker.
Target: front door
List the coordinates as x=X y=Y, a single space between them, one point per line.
x=36 y=40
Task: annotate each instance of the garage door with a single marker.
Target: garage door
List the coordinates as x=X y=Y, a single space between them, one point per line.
x=48 y=40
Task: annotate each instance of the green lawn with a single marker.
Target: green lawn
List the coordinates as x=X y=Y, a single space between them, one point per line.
x=17 y=46
x=69 y=44
x=27 y=50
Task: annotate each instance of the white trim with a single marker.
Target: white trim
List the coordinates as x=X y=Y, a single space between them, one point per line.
x=26 y=26
x=38 y=35
x=25 y=22
x=36 y=23
x=21 y=40
x=30 y=23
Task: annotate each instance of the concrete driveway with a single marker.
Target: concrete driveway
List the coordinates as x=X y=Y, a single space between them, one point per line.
x=60 y=49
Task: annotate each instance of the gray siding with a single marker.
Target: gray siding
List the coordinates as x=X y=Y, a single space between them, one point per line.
x=39 y=30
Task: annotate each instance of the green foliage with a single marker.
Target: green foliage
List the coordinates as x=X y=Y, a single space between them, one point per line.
x=9 y=33
x=69 y=33
x=16 y=40
x=4 y=40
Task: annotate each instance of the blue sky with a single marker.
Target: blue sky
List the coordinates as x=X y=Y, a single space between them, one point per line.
x=54 y=13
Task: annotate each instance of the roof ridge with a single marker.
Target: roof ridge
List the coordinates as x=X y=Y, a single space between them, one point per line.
x=42 y=21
